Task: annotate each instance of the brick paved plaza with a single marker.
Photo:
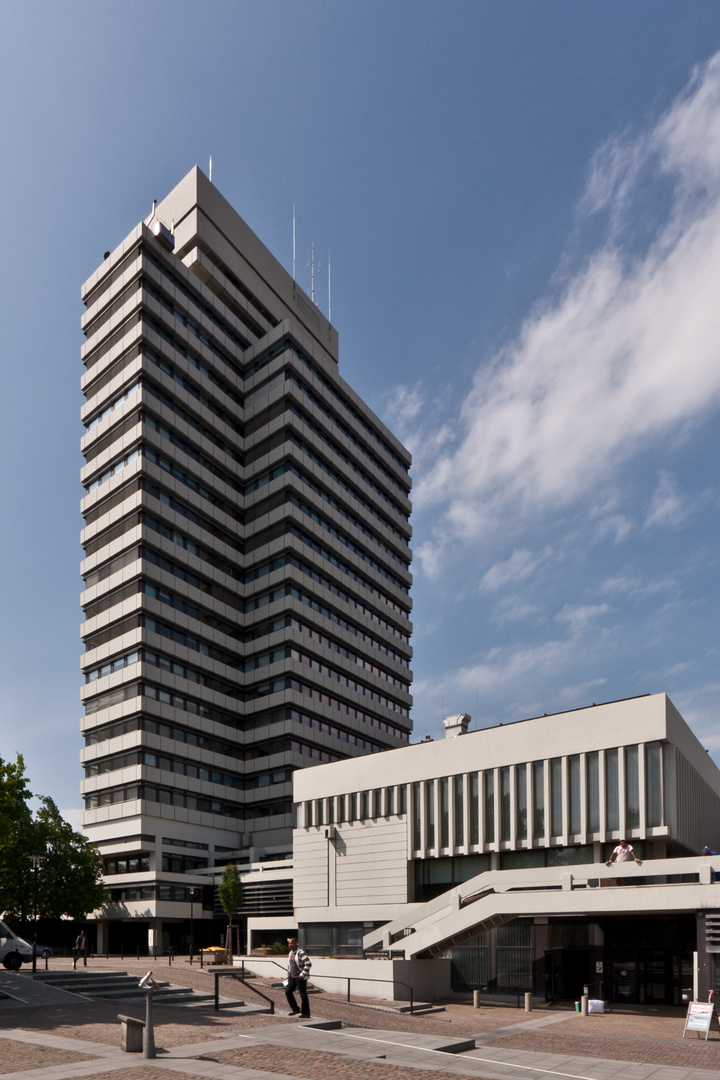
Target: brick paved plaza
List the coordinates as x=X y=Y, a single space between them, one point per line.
x=82 y=1039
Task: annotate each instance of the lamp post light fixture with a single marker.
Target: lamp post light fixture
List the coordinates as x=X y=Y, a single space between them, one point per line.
x=195 y=894
x=36 y=861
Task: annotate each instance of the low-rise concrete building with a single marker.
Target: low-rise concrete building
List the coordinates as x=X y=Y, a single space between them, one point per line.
x=489 y=848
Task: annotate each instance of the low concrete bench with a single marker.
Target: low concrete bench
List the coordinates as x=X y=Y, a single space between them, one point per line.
x=131 y=1038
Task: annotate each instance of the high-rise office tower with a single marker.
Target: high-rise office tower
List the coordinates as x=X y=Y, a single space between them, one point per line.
x=246 y=555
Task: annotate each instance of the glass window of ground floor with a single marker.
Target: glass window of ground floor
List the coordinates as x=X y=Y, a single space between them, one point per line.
x=624 y=959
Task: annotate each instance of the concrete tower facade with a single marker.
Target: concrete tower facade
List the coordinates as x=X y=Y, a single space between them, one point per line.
x=246 y=565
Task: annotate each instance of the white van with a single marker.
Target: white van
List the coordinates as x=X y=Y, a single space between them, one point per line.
x=14 y=950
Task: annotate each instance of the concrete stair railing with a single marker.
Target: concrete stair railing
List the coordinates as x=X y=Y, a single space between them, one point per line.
x=496 y=896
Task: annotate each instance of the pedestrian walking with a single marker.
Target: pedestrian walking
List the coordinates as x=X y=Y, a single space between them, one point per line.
x=299 y=965
x=81 y=949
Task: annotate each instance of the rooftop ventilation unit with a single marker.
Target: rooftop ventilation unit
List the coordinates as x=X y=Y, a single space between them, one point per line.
x=163 y=235
x=456 y=725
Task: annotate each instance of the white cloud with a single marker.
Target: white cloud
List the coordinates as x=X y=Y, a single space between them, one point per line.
x=407 y=413
x=430 y=558
x=501 y=668
x=675 y=669
x=633 y=588
x=616 y=526
x=628 y=353
x=403 y=405
x=576 y=693
x=514 y=609
x=518 y=567
x=667 y=506
x=577 y=616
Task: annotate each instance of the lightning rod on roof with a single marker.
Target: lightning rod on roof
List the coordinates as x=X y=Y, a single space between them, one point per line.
x=293 y=241
x=210 y=170
x=313 y=273
x=329 y=300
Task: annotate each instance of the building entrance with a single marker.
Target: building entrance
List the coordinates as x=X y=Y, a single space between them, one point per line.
x=646 y=976
x=649 y=959
x=566 y=973
x=125 y=937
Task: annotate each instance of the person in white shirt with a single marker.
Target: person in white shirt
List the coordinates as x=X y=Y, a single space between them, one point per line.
x=623 y=853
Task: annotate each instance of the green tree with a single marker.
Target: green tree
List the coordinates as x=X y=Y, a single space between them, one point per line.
x=70 y=879
x=16 y=839
x=230 y=892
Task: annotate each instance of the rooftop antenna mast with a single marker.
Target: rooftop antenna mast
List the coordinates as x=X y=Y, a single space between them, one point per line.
x=313 y=273
x=329 y=300
x=210 y=170
x=293 y=241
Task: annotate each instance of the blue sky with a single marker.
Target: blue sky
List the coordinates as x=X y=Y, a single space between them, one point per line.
x=522 y=204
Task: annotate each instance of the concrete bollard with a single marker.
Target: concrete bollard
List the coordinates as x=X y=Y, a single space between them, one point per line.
x=131 y=1036
x=528 y=1002
x=476 y=999
x=584 y=1005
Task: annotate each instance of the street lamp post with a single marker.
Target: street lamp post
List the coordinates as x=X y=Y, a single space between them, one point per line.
x=193 y=890
x=36 y=860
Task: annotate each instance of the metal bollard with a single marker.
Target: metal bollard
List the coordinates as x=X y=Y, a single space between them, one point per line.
x=584 y=1005
x=528 y=1002
x=476 y=999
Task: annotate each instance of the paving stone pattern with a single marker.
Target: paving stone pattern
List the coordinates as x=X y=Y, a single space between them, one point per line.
x=318 y=1066
x=16 y=1056
x=688 y=1053
x=48 y=1043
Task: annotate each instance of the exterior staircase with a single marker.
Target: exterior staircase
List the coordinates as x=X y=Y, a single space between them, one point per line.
x=497 y=896
x=120 y=986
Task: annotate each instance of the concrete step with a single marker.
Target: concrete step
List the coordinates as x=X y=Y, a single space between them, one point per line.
x=119 y=986
x=110 y=986
x=420 y=1008
x=51 y=978
x=90 y=984
x=197 y=1000
x=279 y=986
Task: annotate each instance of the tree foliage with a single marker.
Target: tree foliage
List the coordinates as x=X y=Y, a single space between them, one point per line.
x=230 y=893
x=16 y=838
x=69 y=879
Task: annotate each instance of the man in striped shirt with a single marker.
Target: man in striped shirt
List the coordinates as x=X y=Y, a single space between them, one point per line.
x=299 y=965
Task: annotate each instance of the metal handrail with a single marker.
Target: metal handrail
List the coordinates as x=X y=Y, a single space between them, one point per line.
x=240 y=978
x=362 y=978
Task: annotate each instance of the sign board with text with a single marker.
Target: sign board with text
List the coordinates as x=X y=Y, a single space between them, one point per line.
x=700 y=1017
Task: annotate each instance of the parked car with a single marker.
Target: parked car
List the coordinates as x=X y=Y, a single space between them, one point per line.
x=14 y=950
x=43 y=951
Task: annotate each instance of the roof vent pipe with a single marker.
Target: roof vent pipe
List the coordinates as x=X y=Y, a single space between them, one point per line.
x=456 y=725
